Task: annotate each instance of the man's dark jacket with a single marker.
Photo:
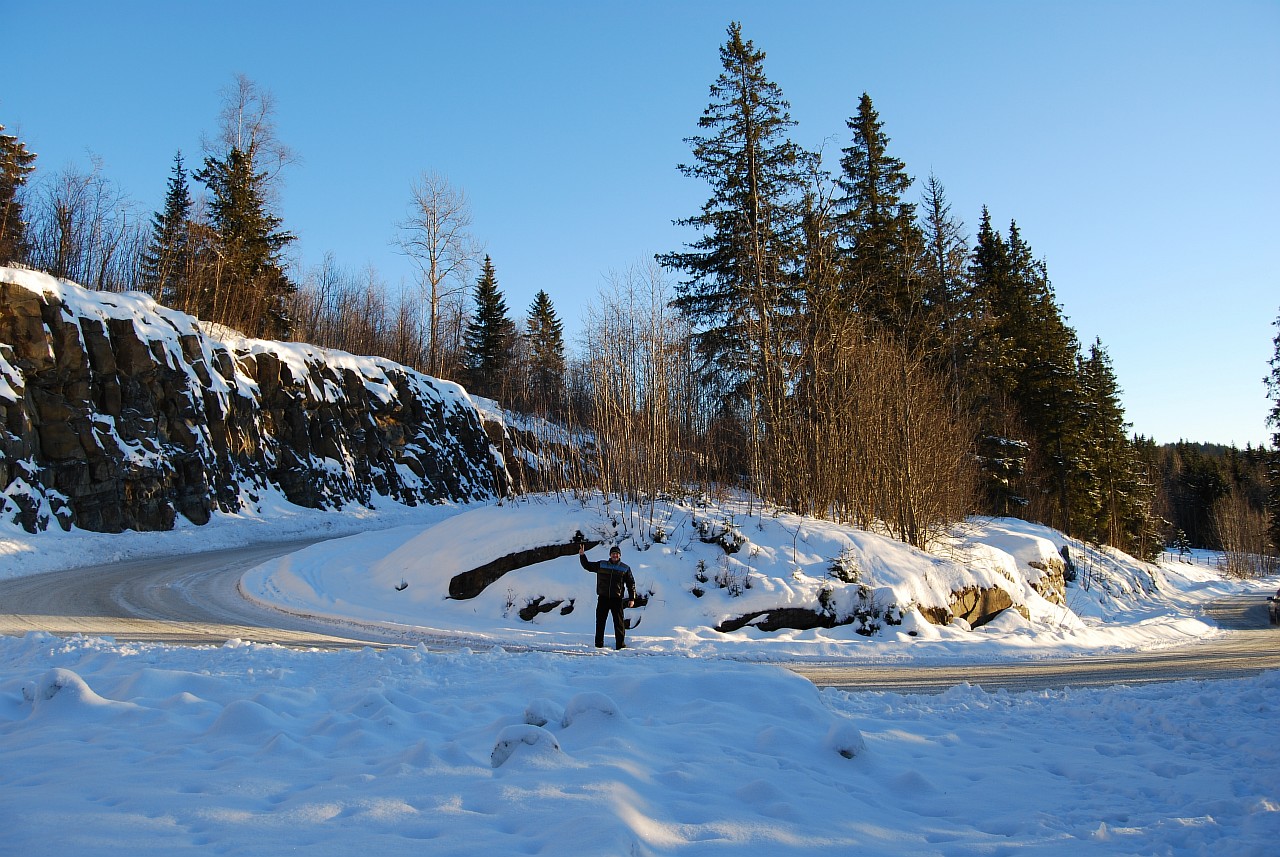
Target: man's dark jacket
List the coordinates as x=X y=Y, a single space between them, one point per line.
x=612 y=578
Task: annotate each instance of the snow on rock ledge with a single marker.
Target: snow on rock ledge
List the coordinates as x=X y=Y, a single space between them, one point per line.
x=118 y=413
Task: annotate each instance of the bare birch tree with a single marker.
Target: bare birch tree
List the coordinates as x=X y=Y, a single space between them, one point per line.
x=436 y=237
x=247 y=121
x=639 y=368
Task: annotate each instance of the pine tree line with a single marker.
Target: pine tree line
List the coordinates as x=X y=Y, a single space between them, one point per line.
x=833 y=318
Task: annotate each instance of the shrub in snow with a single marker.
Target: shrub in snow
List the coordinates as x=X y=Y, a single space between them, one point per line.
x=541 y=743
x=60 y=682
x=591 y=703
x=540 y=712
x=845 y=739
x=826 y=600
x=729 y=578
x=722 y=532
x=845 y=567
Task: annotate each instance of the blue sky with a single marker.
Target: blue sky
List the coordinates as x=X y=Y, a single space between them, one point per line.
x=1135 y=143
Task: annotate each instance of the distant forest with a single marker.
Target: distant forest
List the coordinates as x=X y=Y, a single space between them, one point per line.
x=823 y=340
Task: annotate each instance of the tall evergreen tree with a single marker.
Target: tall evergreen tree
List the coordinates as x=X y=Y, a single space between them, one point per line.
x=1118 y=509
x=251 y=289
x=992 y=366
x=1025 y=363
x=545 y=336
x=166 y=261
x=878 y=229
x=951 y=314
x=489 y=337
x=1273 y=387
x=1273 y=419
x=741 y=295
x=16 y=163
x=740 y=269
x=1049 y=395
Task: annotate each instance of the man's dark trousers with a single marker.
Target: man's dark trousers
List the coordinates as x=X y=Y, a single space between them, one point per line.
x=604 y=607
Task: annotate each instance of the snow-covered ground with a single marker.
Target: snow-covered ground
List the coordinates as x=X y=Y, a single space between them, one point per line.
x=528 y=741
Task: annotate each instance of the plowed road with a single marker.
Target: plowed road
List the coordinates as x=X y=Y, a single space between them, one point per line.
x=194 y=600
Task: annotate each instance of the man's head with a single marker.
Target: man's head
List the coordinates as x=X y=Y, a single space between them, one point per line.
x=615 y=553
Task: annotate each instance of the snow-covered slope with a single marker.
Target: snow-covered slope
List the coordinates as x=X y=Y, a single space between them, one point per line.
x=793 y=587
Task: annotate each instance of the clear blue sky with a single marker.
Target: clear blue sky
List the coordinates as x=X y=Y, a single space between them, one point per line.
x=1135 y=143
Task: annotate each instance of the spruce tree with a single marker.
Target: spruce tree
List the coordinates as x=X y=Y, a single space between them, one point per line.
x=166 y=261
x=950 y=307
x=251 y=290
x=1048 y=390
x=16 y=163
x=1273 y=387
x=877 y=225
x=991 y=370
x=489 y=337
x=1025 y=367
x=742 y=296
x=741 y=269
x=1273 y=419
x=545 y=336
x=1118 y=510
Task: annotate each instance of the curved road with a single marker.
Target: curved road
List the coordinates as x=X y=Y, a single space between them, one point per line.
x=194 y=599
x=191 y=599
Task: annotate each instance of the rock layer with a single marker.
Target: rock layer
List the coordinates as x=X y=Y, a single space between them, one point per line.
x=117 y=413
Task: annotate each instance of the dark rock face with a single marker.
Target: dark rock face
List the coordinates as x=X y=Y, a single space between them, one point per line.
x=471 y=583
x=116 y=413
x=782 y=618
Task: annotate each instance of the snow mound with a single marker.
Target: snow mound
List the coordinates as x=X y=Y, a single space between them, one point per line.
x=590 y=706
x=542 y=745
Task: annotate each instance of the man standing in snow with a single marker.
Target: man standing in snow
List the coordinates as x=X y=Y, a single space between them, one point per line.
x=613 y=576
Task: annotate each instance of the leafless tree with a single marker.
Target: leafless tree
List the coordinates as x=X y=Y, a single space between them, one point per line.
x=638 y=368
x=354 y=311
x=85 y=228
x=436 y=236
x=1243 y=532
x=247 y=122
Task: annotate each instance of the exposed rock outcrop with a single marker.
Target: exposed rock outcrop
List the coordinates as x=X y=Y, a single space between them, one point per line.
x=471 y=583
x=117 y=413
x=977 y=606
x=1052 y=583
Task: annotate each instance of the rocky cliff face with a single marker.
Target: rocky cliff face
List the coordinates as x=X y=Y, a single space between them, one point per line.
x=117 y=413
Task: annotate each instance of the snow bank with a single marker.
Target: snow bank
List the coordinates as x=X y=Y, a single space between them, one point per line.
x=254 y=750
x=400 y=578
